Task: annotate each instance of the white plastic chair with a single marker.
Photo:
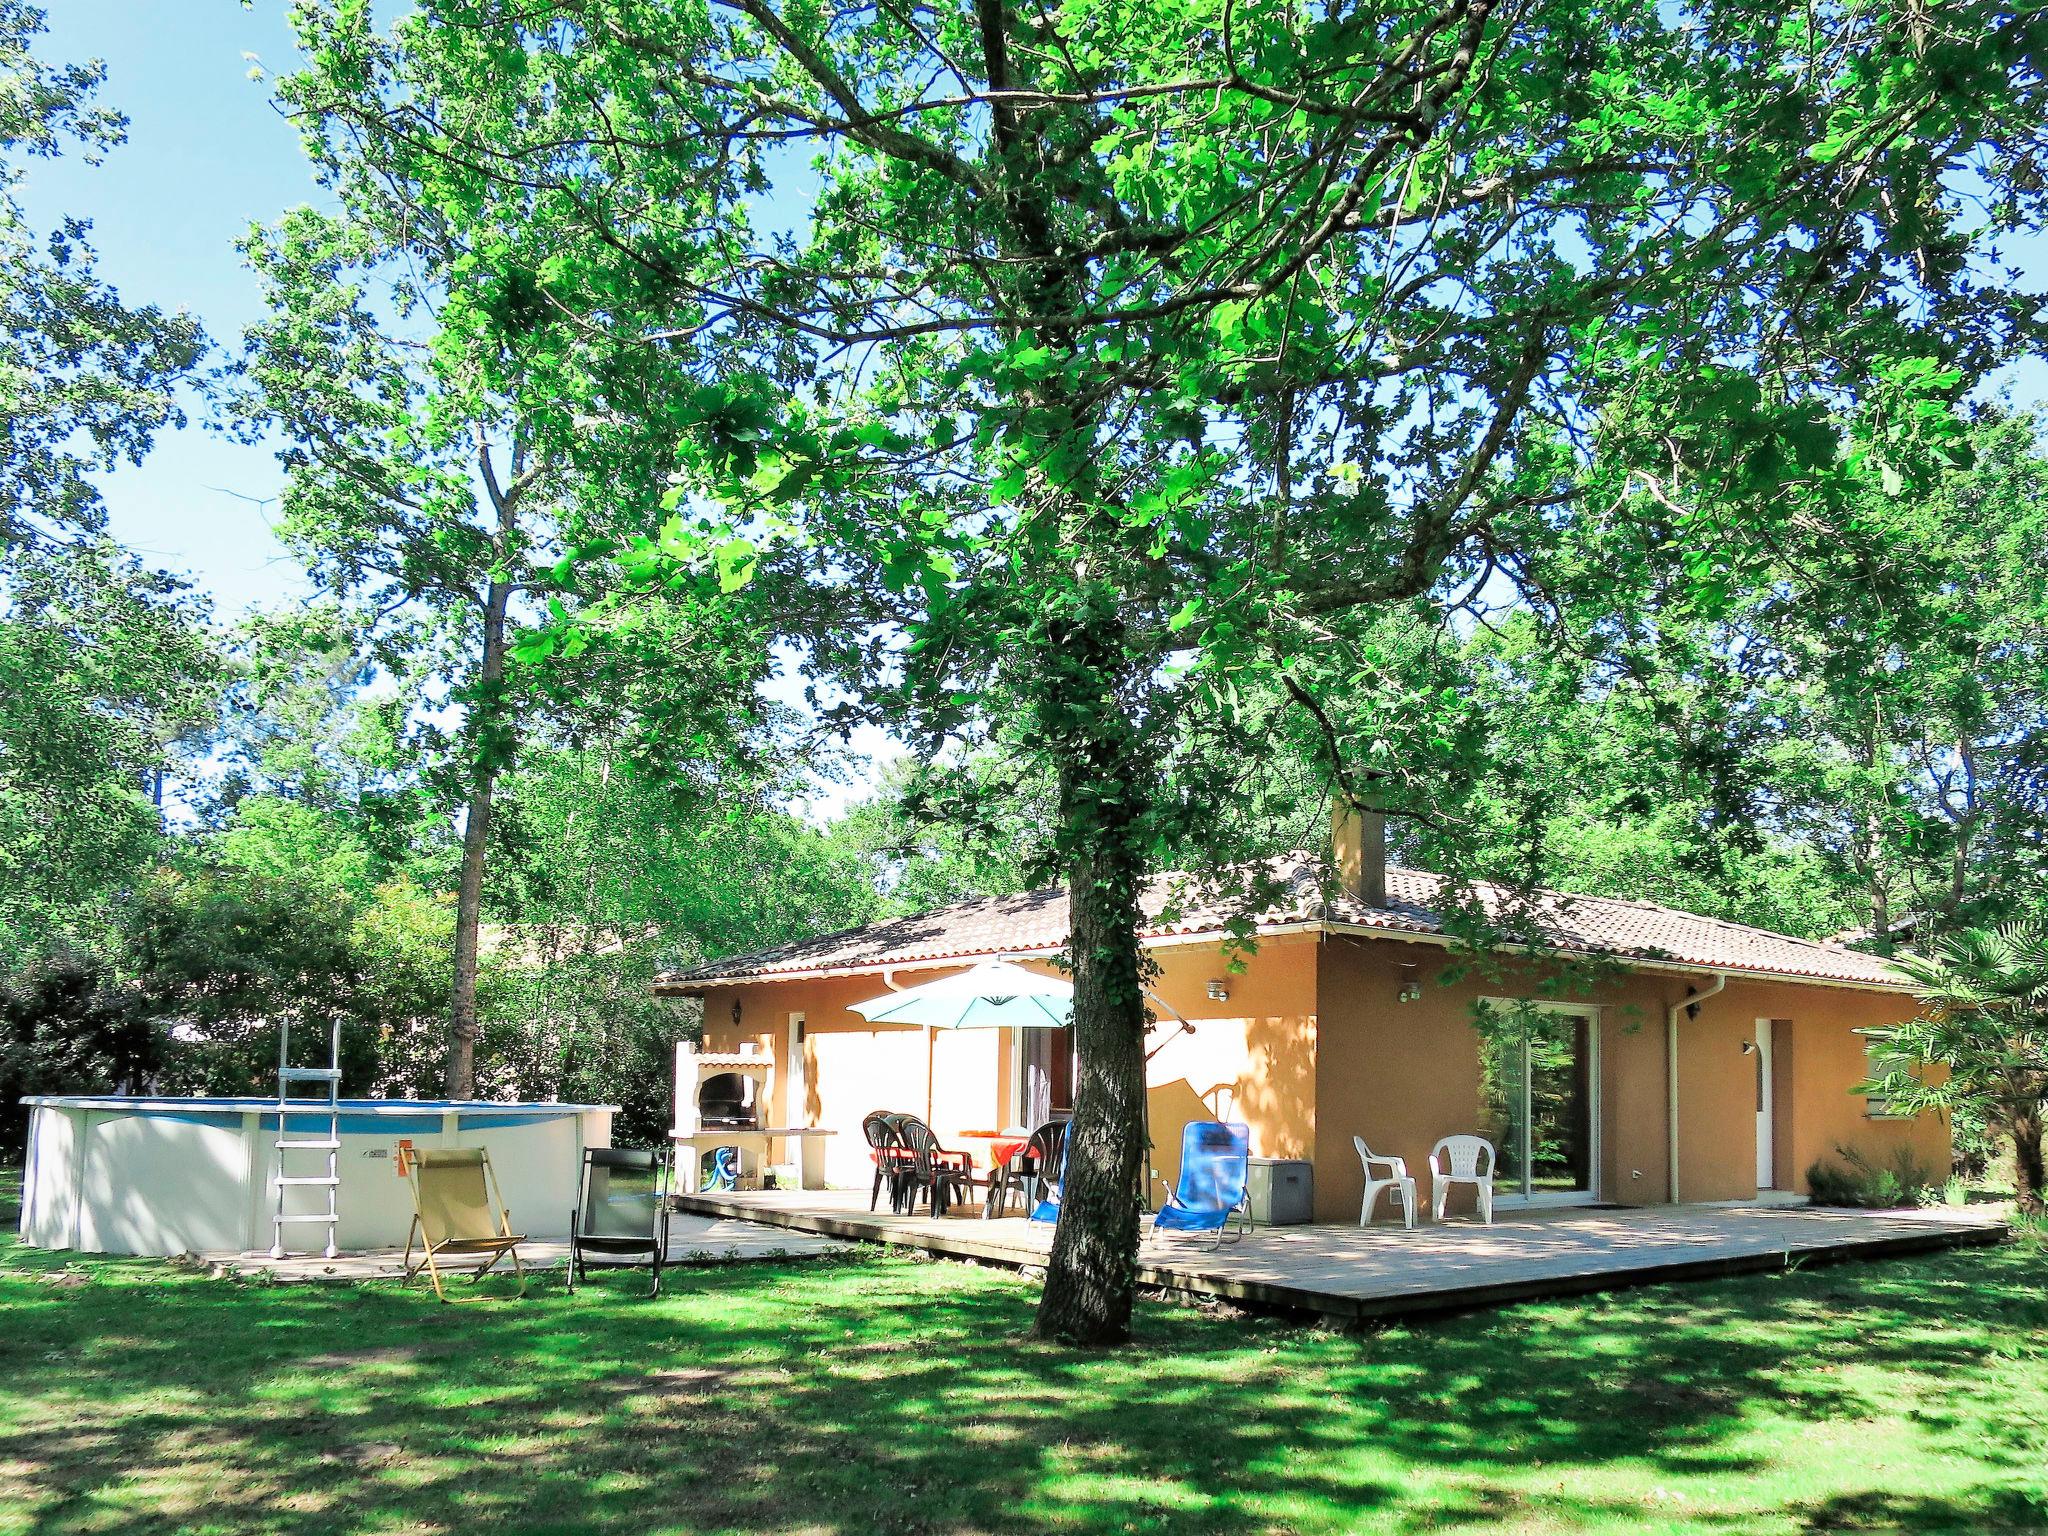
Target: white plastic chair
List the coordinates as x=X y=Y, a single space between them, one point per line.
x=1395 y=1180
x=1462 y=1156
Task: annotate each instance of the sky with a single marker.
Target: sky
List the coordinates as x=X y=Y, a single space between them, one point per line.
x=206 y=156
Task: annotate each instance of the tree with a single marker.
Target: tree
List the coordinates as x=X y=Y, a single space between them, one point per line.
x=68 y=1025
x=111 y=673
x=412 y=492
x=1927 y=770
x=610 y=874
x=435 y=499
x=1850 y=738
x=932 y=834
x=1649 y=780
x=88 y=381
x=284 y=912
x=1983 y=1027
x=1115 y=364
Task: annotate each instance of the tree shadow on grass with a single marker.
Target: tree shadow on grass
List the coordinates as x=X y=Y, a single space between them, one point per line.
x=1985 y=1508
x=879 y=1394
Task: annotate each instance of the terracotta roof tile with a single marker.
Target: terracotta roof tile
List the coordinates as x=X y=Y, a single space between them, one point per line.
x=1037 y=921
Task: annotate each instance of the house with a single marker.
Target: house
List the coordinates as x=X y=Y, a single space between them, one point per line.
x=1688 y=1058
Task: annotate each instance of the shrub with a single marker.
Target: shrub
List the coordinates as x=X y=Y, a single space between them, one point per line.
x=1901 y=1180
x=1953 y=1190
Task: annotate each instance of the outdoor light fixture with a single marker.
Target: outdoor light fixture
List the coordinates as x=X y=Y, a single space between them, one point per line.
x=1749 y=1047
x=1411 y=986
x=1218 y=992
x=735 y=1013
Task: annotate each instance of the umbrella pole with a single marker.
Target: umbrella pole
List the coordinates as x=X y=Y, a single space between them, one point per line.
x=931 y=1051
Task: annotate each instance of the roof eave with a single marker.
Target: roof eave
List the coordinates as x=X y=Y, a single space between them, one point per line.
x=699 y=986
x=677 y=987
x=1662 y=967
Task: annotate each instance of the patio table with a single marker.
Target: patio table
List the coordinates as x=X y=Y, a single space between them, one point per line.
x=1002 y=1145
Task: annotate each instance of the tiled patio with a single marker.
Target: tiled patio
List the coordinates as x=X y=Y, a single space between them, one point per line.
x=1384 y=1271
x=693 y=1239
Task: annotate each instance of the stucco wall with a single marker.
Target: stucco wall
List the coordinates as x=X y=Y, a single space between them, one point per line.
x=1404 y=1074
x=1817 y=1057
x=1310 y=1047
x=1250 y=1056
x=852 y=1067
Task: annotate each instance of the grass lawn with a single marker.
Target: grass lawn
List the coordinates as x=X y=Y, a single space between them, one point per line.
x=887 y=1394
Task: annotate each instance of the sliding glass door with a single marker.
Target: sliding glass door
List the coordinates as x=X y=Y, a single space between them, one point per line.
x=1539 y=1102
x=1045 y=1074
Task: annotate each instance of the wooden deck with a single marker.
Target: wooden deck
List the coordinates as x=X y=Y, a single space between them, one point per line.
x=1385 y=1271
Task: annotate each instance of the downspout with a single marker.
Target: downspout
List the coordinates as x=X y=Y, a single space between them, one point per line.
x=1690 y=1000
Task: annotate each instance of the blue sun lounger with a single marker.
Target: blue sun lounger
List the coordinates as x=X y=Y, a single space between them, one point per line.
x=1214 y=1168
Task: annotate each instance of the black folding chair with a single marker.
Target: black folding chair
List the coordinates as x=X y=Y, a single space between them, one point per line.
x=622 y=1222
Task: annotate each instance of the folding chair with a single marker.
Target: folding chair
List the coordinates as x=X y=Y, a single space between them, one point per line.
x=1215 y=1175
x=621 y=1225
x=457 y=1209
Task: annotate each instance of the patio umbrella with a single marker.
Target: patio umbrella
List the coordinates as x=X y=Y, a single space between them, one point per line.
x=992 y=995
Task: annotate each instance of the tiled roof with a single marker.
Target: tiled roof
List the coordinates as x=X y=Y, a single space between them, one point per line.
x=1037 y=921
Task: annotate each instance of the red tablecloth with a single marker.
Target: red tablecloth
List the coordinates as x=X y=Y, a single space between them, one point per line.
x=1002 y=1145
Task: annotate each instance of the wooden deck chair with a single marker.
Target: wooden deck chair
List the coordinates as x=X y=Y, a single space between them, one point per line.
x=457 y=1210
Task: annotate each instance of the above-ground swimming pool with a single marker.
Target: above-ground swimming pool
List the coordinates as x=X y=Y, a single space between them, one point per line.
x=117 y=1174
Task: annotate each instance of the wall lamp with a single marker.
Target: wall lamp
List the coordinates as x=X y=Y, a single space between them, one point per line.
x=1411 y=986
x=1218 y=992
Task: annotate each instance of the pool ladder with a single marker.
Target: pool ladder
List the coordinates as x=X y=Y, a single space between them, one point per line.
x=308 y=1110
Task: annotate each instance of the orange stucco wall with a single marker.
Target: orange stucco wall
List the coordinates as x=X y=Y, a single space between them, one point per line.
x=851 y=1066
x=1817 y=1057
x=1250 y=1056
x=1310 y=1047
x=1404 y=1074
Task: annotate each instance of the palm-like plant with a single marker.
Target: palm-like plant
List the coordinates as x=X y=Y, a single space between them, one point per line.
x=1984 y=1017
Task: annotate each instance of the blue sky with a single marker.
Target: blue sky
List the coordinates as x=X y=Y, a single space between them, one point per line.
x=207 y=155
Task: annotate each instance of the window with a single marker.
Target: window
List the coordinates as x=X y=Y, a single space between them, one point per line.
x=1876 y=1106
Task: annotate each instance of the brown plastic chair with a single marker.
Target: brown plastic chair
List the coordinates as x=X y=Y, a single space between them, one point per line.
x=891 y=1159
x=457 y=1209
x=944 y=1177
x=1036 y=1163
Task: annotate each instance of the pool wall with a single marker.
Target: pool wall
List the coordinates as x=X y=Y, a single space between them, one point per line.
x=164 y=1176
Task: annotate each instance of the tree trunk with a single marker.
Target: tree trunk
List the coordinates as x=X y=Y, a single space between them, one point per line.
x=1092 y=1276
x=2029 y=1175
x=1091 y=1279
x=458 y=1076
x=490 y=740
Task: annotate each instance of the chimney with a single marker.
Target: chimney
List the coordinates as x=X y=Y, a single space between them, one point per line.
x=1358 y=838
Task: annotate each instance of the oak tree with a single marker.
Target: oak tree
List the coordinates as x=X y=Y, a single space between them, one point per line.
x=1112 y=364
